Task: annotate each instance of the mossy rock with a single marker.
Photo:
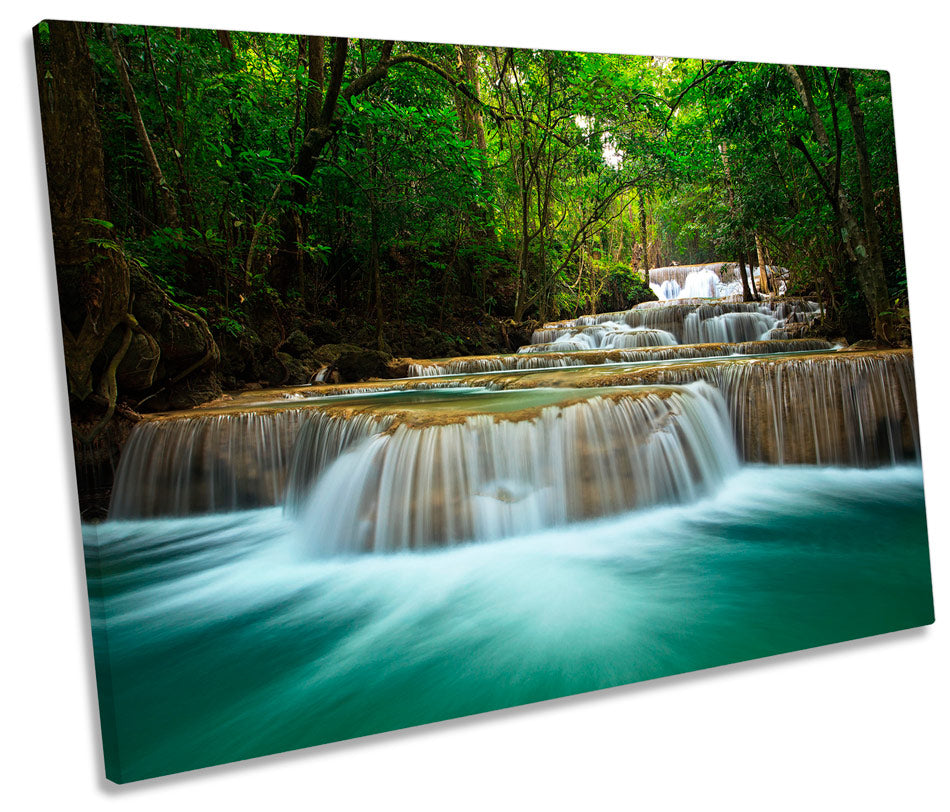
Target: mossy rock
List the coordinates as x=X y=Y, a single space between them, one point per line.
x=241 y=355
x=322 y=331
x=359 y=364
x=330 y=352
x=285 y=370
x=187 y=366
x=136 y=373
x=298 y=344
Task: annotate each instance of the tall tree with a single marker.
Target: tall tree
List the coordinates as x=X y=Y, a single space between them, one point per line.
x=861 y=252
x=92 y=275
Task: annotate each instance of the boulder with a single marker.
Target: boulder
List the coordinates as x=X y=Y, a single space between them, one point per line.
x=298 y=344
x=136 y=372
x=285 y=370
x=240 y=357
x=359 y=364
x=330 y=352
x=322 y=331
x=186 y=370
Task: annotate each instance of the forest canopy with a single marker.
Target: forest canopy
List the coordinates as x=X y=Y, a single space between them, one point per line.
x=427 y=199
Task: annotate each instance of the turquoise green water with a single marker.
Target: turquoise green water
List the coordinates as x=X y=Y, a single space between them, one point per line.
x=224 y=642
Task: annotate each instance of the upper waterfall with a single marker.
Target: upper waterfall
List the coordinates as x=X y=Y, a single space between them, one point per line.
x=715 y=280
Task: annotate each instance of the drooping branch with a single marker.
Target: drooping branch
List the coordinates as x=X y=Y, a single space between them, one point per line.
x=327 y=124
x=715 y=68
x=457 y=84
x=176 y=152
x=151 y=161
x=797 y=142
x=800 y=82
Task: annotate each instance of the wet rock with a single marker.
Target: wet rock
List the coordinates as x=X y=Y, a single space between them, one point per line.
x=325 y=375
x=517 y=334
x=399 y=367
x=191 y=391
x=797 y=329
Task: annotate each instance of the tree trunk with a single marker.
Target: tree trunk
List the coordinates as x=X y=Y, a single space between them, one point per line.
x=189 y=210
x=876 y=282
x=764 y=284
x=869 y=271
x=315 y=60
x=748 y=261
x=644 y=263
x=471 y=76
x=91 y=273
x=746 y=291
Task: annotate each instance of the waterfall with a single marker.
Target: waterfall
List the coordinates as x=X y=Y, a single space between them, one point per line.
x=689 y=282
x=844 y=411
x=605 y=335
x=323 y=438
x=856 y=409
x=204 y=463
x=727 y=327
x=484 y=477
x=701 y=284
x=680 y=273
x=716 y=280
x=702 y=321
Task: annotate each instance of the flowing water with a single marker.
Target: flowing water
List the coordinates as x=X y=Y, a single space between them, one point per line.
x=216 y=639
x=298 y=566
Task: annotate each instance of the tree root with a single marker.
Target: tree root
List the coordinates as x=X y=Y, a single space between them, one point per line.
x=208 y=356
x=108 y=388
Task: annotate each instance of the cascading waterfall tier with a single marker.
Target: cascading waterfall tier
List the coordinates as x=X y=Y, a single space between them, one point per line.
x=540 y=360
x=484 y=471
x=607 y=335
x=205 y=462
x=685 y=321
x=845 y=408
x=230 y=456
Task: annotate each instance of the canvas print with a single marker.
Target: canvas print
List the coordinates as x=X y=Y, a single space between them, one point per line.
x=416 y=380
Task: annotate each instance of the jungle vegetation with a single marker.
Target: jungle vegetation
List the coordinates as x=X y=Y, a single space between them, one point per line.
x=227 y=206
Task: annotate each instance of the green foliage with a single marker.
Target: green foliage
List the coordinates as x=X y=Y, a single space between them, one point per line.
x=528 y=202
x=230 y=326
x=631 y=285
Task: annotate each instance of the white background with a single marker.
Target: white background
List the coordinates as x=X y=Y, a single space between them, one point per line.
x=854 y=726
